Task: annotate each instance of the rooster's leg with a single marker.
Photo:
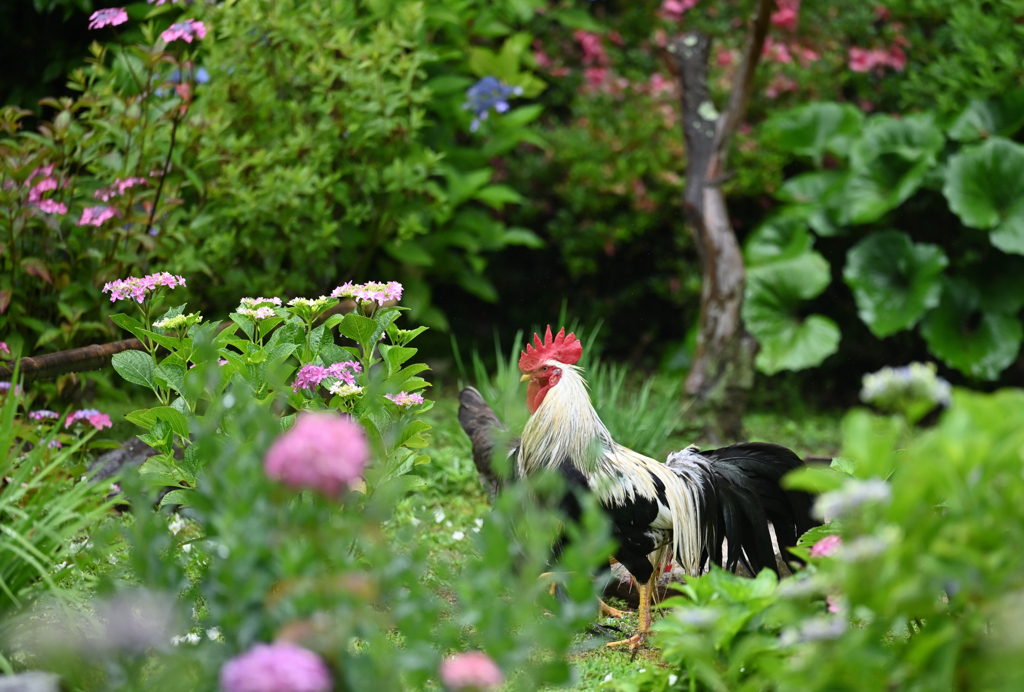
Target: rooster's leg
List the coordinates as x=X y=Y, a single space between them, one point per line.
x=637 y=640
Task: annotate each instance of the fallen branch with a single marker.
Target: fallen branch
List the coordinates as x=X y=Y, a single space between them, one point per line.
x=99 y=356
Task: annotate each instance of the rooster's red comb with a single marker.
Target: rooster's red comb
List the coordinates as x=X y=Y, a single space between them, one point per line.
x=564 y=349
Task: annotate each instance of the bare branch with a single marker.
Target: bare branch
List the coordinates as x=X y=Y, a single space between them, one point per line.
x=743 y=84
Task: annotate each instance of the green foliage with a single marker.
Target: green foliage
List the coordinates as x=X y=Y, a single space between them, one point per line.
x=45 y=502
x=960 y=288
x=922 y=592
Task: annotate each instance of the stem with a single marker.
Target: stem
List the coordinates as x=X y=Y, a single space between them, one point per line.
x=163 y=175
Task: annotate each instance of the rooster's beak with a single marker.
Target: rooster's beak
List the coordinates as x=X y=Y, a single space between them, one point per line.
x=524 y=378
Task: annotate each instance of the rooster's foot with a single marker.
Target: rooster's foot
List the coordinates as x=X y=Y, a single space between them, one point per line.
x=634 y=643
x=606 y=611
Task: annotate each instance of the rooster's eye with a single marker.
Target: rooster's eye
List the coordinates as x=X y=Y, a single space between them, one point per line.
x=544 y=368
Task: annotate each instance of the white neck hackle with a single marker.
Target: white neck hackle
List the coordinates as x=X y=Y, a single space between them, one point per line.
x=566 y=428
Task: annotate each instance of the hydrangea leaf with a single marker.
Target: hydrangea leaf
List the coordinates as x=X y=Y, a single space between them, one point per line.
x=894 y=280
x=770 y=311
x=888 y=164
x=985 y=188
x=999 y=116
x=815 y=129
x=136 y=367
x=815 y=195
x=781 y=237
x=964 y=336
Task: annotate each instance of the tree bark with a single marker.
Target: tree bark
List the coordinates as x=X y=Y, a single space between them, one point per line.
x=723 y=369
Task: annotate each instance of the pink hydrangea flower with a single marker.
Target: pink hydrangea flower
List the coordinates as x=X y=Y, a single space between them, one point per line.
x=95 y=216
x=862 y=60
x=593 y=50
x=95 y=418
x=137 y=288
x=109 y=17
x=404 y=398
x=776 y=52
x=54 y=444
x=43 y=414
x=371 y=291
x=787 y=15
x=3 y=347
x=49 y=206
x=44 y=185
x=659 y=85
x=186 y=31
x=827 y=546
x=322 y=451
x=255 y=302
x=6 y=387
x=311 y=375
x=471 y=670
x=673 y=10
x=277 y=667
x=104 y=194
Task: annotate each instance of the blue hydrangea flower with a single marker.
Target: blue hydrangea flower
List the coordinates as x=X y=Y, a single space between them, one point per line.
x=486 y=94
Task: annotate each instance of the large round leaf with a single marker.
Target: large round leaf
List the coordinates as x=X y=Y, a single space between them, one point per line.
x=975 y=342
x=783 y=236
x=887 y=165
x=815 y=128
x=770 y=311
x=985 y=188
x=1002 y=115
x=894 y=280
x=814 y=196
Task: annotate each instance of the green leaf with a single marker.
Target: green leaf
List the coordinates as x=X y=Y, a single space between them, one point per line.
x=894 y=280
x=781 y=237
x=814 y=196
x=888 y=164
x=148 y=418
x=497 y=196
x=976 y=342
x=770 y=311
x=1002 y=116
x=815 y=129
x=395 y=356
x=360 y=329
x=136 y=367
x=173 y=374
x=869 y=442
x=129 y=324
x=985 y=188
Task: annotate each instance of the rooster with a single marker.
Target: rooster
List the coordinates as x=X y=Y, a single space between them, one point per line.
x=680 y=510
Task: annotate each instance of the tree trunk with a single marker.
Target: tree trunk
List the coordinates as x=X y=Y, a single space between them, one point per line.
x=723 y=369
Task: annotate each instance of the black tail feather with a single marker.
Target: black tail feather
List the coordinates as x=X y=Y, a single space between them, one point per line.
x=747 y=496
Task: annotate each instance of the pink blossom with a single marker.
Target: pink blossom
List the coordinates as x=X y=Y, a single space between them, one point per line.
x=807 y=56
x=827 y=546
x=109 y=17
x=95 y=418
x=371 y=291
x=3 y=347
x=616 y=38
x=43 y=414
x=311 y=375
x=44 y=185
x=95 y=216
x=118 y=188
x=49 y=206
x=596 y=77
x=593 y=49
x=54 y=444
x=221 y=362
x=673 y=10
x=779 y=85
x=44 y=171
x=404 y=398
x=862 y=60
x=255 y=302
x=277 y=667
x=542 y=59
x=137 y=288
x=724 y=56
x=322 y=451
x=473 y=669
x=787 y=14
x=833 y=604
x=776 y=52
x=186 y=31
x=659 y=85
x=6 y=387
x=160 y=2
